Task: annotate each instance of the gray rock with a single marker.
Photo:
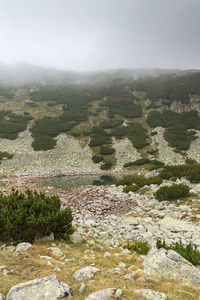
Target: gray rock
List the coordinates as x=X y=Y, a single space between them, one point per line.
x=86 y=273
x=23 y=247
x=170 y=265
x=76 y=238
x=103 y=294
x=114 y=271
x=82 y=288
x=107 y=254
x=129 y=276
x=56 y=251
x=50 y=288
x=2 y=297
x=151 y=295
x=97 y=248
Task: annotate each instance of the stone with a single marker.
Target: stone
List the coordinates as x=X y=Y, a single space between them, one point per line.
x=115 y=271
x=151 y=295
x=50 y=288
x=86 y=273
x=77 y=237
x=82 y=288
x=175 y=225
x=129 y=276
x=118 y=293
x=125 y=251
x=2 y=297
x=103 y=294
x=56 y=251
x=23 y=247
x=57 y=269
x=170 y=265
x=111 y=243
x=97 y=248
x=107 y=254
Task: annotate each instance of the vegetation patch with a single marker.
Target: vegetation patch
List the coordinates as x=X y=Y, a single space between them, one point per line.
x=189 y=251
x=139 y=247
x=178 y=131
x=173 y=192
x=5 y=155
x=28 y=216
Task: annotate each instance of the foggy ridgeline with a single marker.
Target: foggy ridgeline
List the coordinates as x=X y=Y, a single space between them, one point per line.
x=95 y=107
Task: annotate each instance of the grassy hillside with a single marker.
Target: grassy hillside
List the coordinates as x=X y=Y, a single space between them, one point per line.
x=95 y=107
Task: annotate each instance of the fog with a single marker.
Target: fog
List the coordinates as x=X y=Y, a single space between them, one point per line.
x=86 y=35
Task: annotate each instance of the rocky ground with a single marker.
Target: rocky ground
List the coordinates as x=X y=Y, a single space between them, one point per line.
x=106 y=218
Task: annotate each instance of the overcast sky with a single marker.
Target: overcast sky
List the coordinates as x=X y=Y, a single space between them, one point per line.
x=86 y=35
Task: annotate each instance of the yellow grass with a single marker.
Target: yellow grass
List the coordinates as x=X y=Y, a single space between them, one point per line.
x=28 y=265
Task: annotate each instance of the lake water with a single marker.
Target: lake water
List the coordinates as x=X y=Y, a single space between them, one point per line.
x=67 y=182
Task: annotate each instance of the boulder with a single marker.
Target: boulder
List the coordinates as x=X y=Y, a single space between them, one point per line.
x=173 y=225
x=56 y=251
x=50 y=288
x=103 y=294
x=86 y=273
x=23 y=247
x=170 y=265
x=77 y=237
x=151 y=295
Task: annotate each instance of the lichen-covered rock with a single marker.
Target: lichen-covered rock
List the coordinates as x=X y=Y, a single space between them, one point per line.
x=77 y=237
x=23 y=247
x=151 y=295
x=56 y=251
x=103 y=294
x=171 y=265
x=98 y=248
x=47 y=288
x=86 y=273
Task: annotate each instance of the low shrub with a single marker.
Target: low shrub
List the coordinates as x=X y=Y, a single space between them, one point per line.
x=173 y=192
x=107 y=165
x=137 y=162
x=188 y=251
x=139 y=247
x=5 y=154
x=131 y=188
x=97 y=159
x=106 y=150
x=30 y=215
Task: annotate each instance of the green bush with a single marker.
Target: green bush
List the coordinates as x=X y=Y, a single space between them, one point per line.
x=131 y=188
x=5 y=154
x=106 y=150
x=28 y=216
x=139 y=247
x=107 y=165
x=138 y=162
x=97 y=159
x=172 y=192
x=189 y=251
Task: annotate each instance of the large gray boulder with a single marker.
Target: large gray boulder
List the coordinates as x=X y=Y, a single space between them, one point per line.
x=103 y=294
x=86 y=273
x=170 y=265
x=151 y=295
x=23 y=247
x=50 y=288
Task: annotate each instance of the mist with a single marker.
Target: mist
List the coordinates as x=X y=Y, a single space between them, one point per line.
x=101 y=34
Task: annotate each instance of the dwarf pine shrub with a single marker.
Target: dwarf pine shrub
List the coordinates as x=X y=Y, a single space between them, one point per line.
x=31 y=215
x=188 y=251
x=173 y=192
x=139 y=247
